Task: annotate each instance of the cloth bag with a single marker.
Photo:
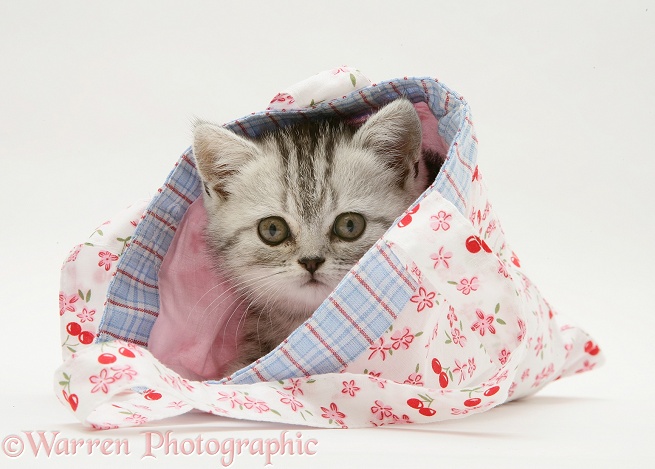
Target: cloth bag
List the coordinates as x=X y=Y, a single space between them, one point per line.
x=436 y=321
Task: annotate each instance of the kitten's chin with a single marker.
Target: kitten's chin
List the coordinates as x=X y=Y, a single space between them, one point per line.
x=304 y=299
x=313 y=283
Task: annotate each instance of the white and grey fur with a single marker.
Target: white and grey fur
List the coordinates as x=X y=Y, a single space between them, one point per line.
x=307 y=174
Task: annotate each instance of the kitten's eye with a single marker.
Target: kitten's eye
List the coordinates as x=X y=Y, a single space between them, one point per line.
x=273 y=230
x=349 y=226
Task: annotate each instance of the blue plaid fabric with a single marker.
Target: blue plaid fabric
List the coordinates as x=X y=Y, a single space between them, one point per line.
x=367 y=300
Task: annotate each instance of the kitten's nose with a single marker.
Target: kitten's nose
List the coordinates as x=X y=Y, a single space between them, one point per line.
x=311 y=263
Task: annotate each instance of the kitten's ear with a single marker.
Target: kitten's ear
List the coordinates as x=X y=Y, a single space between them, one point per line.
x=219 y=154
x=394 y=133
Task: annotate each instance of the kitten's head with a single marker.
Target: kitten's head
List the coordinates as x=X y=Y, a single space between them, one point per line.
x=289 y=213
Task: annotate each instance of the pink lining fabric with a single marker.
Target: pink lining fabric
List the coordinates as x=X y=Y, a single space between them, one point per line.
x=432 y=140
x=195 y=333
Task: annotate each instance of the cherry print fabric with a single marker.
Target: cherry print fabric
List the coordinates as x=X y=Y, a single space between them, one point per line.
x=437 y=321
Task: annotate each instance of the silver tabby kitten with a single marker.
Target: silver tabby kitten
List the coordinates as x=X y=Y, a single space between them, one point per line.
x=290 y=212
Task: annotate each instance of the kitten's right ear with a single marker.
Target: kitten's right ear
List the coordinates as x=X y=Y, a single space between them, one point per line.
x=219 y=153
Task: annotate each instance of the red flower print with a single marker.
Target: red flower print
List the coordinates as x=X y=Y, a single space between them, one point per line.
x=458 y=338
x=123 y=371
x=415 y=379
x=339 y=70
x=137 y=419
x=376 y=377
x=512 y=390
x=440 y=221
x=349 y=388
x=441 y=258
x=66 y=302
x=423 y=299
x=452 y=317
x=499 y=377
x=231 y=397
x=568 y=348
x=539 y=346
x=486 y=211
x=103 y=426
x=466 y=285
x=177 y=382
x=294 y=387
x=86 y=315
x=259 y=406
x=402 y=339
x=545 y=373
x=435 y=331
x=101 y=381
x=523 y=329
x=461 y=369
x=415 y=271
x=73 y=254
x=502 y=270
x=380 y=348
x=525 y=374
x=333 y=414
x=586 y=366
x=106 y=258
x=472 y=217
x=504 y=355
x=491 y=227
x=484 y=323
x=176 y=405
x=402 y=419
x=290 y=400
x=217 y=410
x=381 y=410
x=471 y=366
x=283 y=98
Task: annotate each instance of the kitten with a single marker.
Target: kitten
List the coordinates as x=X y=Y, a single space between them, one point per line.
x=290 y=212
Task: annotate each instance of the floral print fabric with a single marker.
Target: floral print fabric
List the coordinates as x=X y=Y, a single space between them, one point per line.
x=475 y=333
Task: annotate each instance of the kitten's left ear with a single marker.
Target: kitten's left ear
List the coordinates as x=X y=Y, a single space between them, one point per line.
x=394 y=133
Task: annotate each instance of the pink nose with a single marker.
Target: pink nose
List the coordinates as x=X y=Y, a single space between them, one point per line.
x=311 y=264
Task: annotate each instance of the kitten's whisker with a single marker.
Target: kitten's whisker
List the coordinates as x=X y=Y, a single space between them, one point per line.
x=264 y=310
x=218 y=285
x=267 y=288
x=237 y=287
x=265 y=285
x=271 y=291
x=243 y=299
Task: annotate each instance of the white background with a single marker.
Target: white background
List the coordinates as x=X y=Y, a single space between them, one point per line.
x=96 y=104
